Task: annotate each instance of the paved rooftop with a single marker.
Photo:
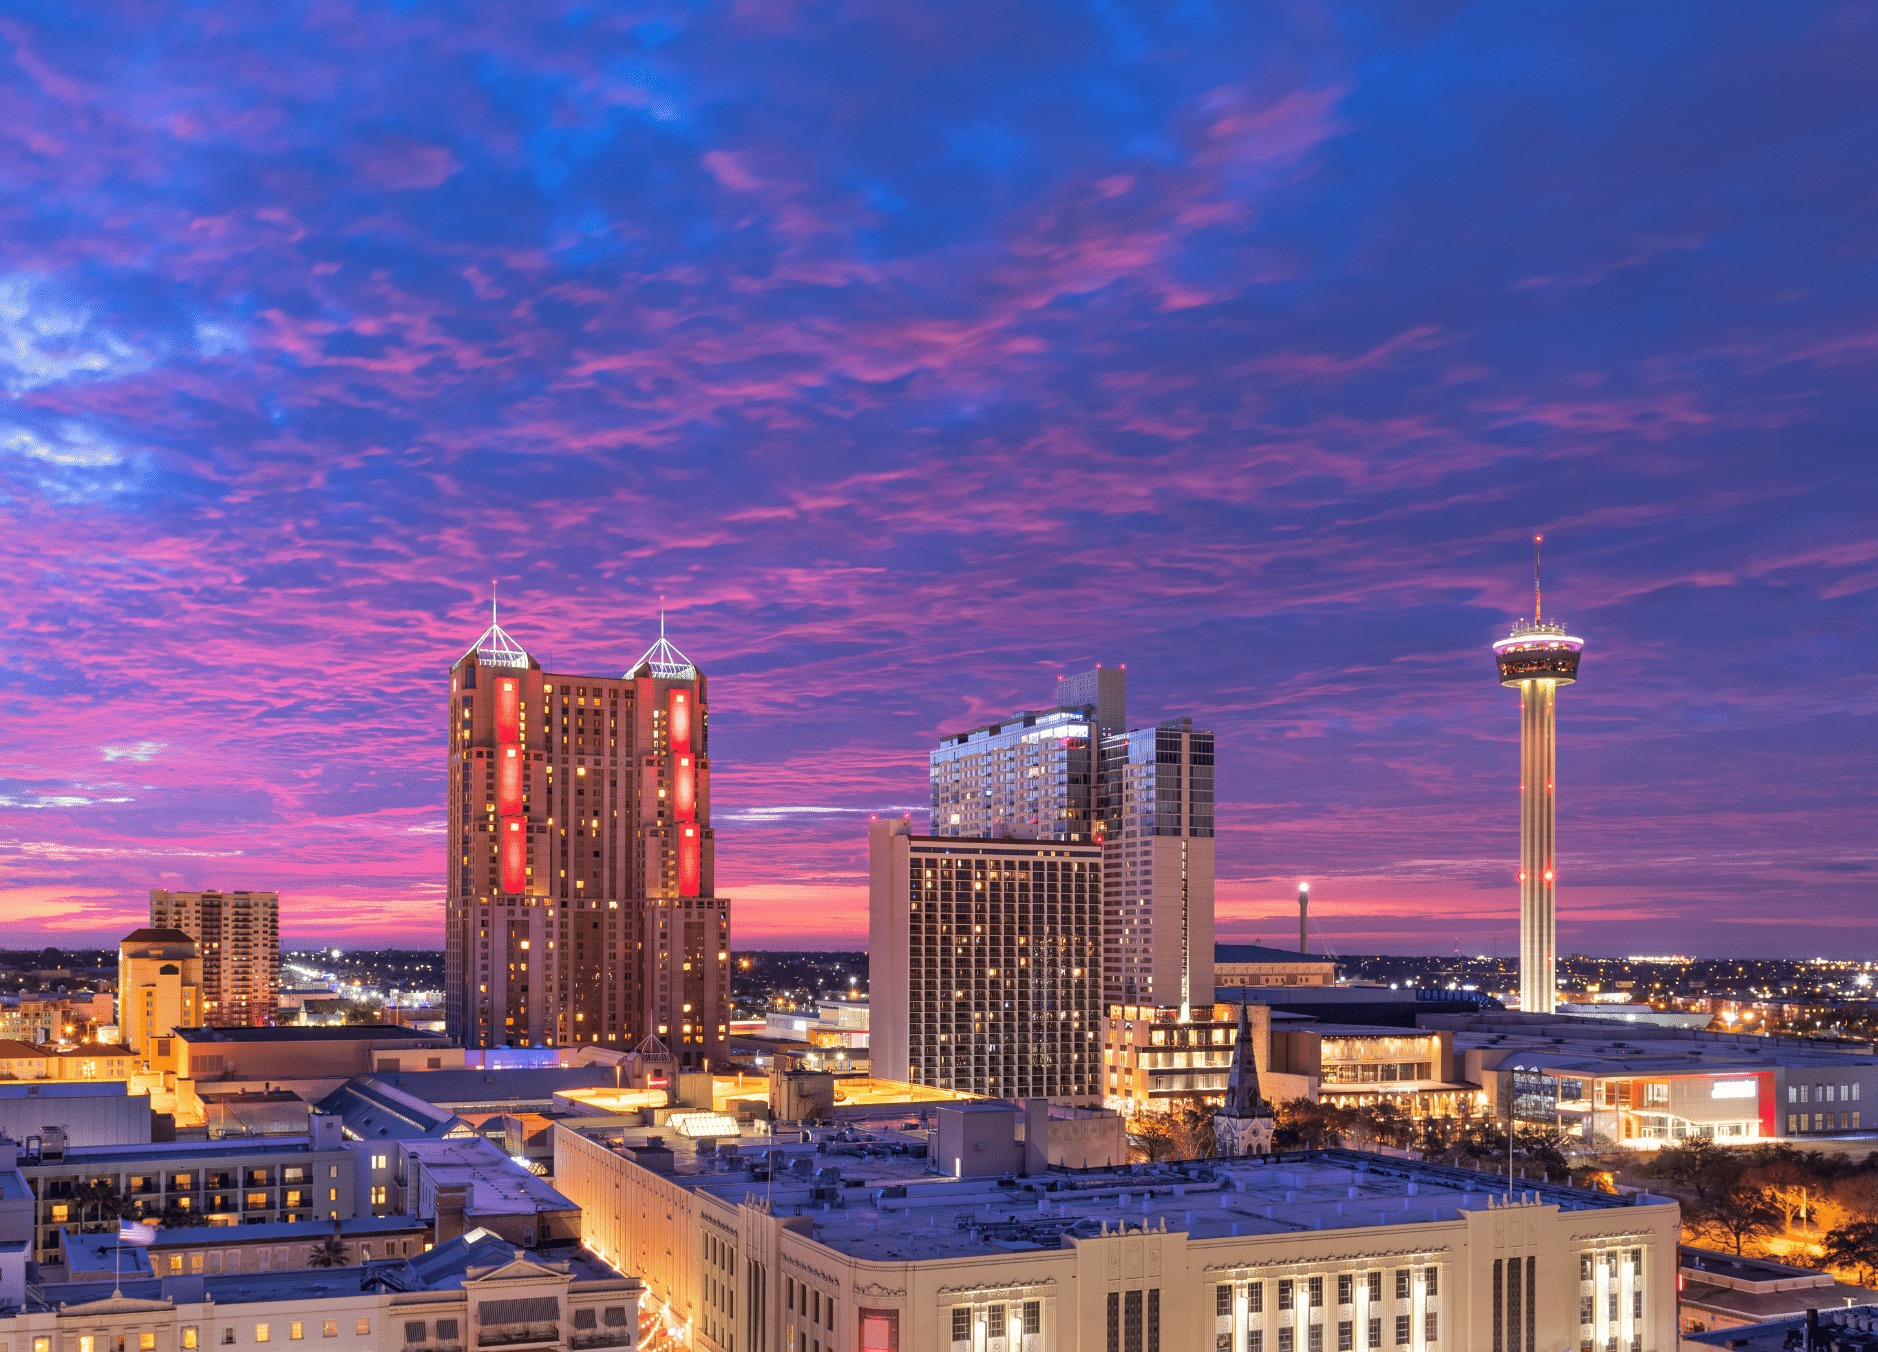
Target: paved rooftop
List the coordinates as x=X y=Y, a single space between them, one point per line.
x=874 y=1196
x=441 y=1269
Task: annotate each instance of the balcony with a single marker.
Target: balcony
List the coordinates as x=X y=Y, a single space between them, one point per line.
x=519 y=1335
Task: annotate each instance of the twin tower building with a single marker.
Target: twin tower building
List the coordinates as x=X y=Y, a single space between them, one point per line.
x=580 y=897
x=1069 y=869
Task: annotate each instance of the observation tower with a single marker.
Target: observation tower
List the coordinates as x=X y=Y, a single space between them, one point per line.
x=1538 y=657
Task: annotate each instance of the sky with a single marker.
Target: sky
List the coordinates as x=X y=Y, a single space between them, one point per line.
x=915 y=353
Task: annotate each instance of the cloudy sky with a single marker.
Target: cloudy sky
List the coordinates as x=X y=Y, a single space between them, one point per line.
x=917 y=352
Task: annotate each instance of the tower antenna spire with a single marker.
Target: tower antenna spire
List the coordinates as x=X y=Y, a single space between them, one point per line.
x=492 y=600
x=1537 y=540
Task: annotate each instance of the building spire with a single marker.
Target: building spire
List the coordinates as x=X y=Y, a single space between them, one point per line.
x=495 y=648
x=1537 y=540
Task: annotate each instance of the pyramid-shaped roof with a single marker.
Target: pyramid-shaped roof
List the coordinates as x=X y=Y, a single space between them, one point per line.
x=663 y=661
x=495 y=648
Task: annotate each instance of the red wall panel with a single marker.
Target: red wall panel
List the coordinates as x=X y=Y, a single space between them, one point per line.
x=688 y=869
x=508 y=710
x=685 y=788
x=508 y=780
x=681 y=720
x=514 y=855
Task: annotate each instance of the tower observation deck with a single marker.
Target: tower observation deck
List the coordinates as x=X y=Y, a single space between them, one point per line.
x=1538 y=657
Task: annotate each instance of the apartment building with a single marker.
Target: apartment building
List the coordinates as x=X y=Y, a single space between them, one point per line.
x=237 y=935
x=256 y=1180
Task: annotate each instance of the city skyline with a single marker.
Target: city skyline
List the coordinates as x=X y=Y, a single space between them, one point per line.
x=1247 y=351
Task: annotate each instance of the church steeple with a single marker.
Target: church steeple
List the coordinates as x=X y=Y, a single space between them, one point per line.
x=1244 y=1124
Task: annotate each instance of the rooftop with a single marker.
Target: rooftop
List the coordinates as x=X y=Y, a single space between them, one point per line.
x=497 y=1185
x=1591 y=1046
x=873 y=1195
x=244 y=1147
x=504 y=1088
x=1783 y=1335
x=25 y=1089
x=373 y=1110
x=156 y=935
x=442 y=1269
x=349 y=1032
x=1264 y=953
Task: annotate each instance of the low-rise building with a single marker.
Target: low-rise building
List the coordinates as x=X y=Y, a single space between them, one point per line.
x=1152 y=1057
x=461 y=1183
x=258 y=1180
x=212 y=1250
x=1725 y=1290
x=853 y=1242
x=477 y=1291
x=1356 y=1066
x=339 y=1052
x=1643 y=1086
x=1258 y=965
x=79 y=1113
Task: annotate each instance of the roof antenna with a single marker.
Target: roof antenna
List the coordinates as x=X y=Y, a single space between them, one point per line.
x=661 y=614
x=492 y=600
x=1536 y=541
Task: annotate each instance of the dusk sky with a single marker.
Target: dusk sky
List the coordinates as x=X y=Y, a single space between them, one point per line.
x=917 y=353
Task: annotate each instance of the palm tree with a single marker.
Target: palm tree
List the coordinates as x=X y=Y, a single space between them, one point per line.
x=328 y=1253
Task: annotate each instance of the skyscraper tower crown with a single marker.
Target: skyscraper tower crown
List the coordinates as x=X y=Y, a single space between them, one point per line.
x=495 y=648
x=1538 y=649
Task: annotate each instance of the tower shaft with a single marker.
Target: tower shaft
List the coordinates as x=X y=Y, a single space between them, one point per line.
x=1538 y=919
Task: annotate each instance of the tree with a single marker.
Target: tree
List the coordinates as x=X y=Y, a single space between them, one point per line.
x=1542 y=1149
x=103 y=1203
x=328 y=1253
x=176 y=1216
x=1854 y=1248
x=1304 y=1125
x=1735 y=1214
x=1698 y=1165
x=1181 y=1130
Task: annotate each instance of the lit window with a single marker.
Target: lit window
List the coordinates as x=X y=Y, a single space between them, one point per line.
x=261 y=1333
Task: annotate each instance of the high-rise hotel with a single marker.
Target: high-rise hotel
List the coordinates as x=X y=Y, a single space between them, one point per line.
x=1069 y=873
x=1075 y=773
x=580 y=893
